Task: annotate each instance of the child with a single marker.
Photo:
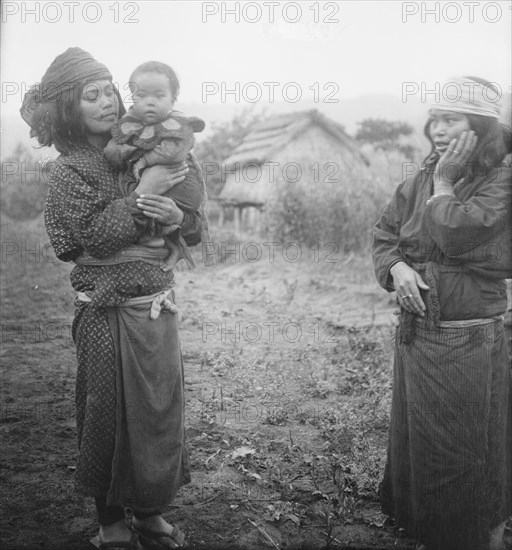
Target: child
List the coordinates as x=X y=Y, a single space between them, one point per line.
x=153 y=133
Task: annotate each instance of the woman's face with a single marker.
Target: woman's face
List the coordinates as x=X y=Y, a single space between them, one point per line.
x=99 y=107
x=445 y=126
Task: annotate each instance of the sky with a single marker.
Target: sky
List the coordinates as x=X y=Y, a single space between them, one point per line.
x=325 y=50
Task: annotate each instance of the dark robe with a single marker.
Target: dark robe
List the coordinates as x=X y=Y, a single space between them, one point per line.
x=448 y=474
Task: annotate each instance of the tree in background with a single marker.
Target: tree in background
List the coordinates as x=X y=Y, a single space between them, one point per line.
x=386 y=135
x=216 y=148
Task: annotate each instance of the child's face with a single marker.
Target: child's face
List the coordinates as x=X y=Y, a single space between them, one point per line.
x=152 y=97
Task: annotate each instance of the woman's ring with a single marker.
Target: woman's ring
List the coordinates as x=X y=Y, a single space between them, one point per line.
x=406 y=297
x=455 y=152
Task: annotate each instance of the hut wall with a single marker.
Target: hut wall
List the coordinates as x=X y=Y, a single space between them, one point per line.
x=248 y=183
x=322 y=159
x=313 y=158
x=315 y=143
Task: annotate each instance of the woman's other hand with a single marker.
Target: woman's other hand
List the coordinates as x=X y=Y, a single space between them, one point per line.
x=408 y=283
x=160 y=209
x=158 y=179
x=451 y=165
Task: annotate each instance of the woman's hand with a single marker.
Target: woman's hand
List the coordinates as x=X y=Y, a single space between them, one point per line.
x=158 y=179
x=160 y=209
x=407 y=283
x=450 y=167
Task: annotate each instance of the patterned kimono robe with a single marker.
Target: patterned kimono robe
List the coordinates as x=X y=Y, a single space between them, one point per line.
x=86 y=212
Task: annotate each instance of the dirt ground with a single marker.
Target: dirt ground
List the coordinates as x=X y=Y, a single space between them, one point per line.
x=287 y=364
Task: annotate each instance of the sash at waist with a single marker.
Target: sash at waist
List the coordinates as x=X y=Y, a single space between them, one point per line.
x=432 y=273
x=132 y=253
x=465 y=322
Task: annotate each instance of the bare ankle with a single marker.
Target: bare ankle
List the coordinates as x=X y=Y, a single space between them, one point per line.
x=113 y=531
x=497 y=537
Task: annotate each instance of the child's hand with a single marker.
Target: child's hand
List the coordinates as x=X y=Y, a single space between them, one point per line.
x=173 y=258
x=113 y=154
x=137 y=169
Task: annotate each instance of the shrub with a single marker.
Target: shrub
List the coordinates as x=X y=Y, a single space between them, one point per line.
x=343 y=211
x=24 y=183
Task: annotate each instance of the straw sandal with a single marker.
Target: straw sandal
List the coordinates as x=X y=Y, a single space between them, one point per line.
x=132 y=544
x=160 y=540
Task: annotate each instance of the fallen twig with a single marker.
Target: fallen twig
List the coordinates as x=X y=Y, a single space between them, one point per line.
x=198 y=503
x=331 y=538
x=261 y=530
x=211 y=498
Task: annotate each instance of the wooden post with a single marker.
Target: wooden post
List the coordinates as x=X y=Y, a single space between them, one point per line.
x=236 y=218
x=244 y=218
x=257 y=219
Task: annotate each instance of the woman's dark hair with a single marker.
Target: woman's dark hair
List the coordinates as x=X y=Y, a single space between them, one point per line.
x=160 y=68
x=64 y=127
x=494 y=139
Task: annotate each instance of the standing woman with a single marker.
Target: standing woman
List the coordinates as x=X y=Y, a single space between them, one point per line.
x=129 y=387
x=443 y=244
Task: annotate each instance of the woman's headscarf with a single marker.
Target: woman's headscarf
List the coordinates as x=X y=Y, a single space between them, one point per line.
x=69 y=70
x=468 y=96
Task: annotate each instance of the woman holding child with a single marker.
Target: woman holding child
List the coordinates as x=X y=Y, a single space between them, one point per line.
x=444 y=245
x=129 y=387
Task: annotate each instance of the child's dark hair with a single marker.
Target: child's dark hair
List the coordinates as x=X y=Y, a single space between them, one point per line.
x=62 y=124
x=160 y=68
x=494 y=139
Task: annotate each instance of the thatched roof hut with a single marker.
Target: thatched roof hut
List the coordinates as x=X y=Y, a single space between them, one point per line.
x=303 y=147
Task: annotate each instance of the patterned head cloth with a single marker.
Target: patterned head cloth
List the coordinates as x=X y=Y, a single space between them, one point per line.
x=506 y=110
x=464 y=95
x=69 y=70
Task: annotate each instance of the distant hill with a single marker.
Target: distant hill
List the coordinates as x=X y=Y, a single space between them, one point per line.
x=347 y=112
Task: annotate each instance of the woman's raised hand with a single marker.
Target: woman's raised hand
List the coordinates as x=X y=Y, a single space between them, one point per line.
x=408 y=283
x=450 y=167
x=160 y=178
x=161 y=209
